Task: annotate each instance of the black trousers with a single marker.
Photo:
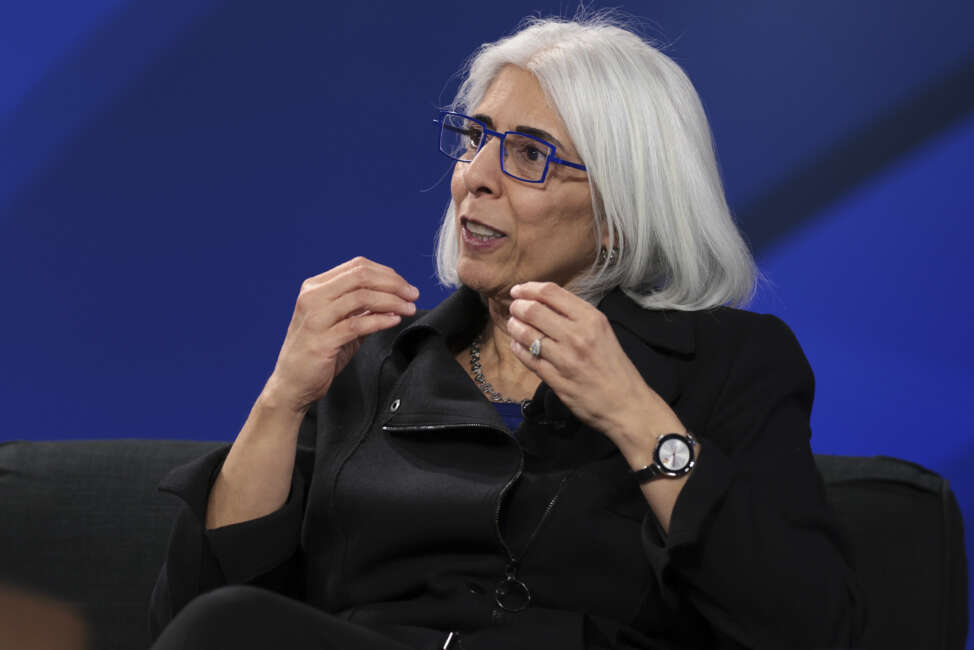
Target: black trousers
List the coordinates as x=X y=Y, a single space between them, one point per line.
x=248 y=618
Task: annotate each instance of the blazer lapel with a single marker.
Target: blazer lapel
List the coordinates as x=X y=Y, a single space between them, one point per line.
x=436 y=391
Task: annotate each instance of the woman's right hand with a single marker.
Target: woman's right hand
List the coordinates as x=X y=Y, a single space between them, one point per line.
x=334 y=312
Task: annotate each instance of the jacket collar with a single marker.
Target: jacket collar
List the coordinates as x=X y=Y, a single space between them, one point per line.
x=463 y=313
x=655 y=341
x=663 y=329
x=459 y=317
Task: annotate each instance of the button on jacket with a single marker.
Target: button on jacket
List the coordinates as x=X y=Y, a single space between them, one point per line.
x=407 y=481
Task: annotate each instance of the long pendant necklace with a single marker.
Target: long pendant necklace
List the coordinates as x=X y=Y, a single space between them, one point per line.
x=511 y=593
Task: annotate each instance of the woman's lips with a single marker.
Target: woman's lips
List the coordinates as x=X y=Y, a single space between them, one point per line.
x=480 y=237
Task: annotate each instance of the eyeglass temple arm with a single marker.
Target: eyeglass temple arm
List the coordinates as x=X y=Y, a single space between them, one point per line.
x=569 y=164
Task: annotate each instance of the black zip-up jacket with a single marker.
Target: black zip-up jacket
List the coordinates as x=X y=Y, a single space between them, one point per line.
x=409 y=491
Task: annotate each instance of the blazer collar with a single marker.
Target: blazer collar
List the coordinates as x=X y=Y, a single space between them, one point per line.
x=463 y=313
x=655 y=341
x=665 y=329
x=458 y=318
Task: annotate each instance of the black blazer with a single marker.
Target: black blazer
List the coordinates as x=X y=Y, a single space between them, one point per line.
x=407 y=479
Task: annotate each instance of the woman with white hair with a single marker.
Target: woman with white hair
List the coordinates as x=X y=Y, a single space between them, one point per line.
x=585 y=446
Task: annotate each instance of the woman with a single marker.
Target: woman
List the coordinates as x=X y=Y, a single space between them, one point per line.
x=580 y=448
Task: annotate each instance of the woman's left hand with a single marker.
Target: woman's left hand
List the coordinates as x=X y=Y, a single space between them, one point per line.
x=582 y=361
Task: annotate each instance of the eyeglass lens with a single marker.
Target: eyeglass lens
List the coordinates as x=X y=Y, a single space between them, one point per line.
x=523 y=156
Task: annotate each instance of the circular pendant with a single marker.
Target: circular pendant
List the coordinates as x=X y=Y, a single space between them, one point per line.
x=512 y=595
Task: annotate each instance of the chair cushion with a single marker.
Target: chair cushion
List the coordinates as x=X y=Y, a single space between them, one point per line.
x=83 y=522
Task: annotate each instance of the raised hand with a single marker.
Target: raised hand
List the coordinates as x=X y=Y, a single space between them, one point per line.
x=334 y=312
x=583 y=362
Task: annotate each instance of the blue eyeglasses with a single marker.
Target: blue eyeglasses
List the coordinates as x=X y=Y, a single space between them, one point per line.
x=523 y=156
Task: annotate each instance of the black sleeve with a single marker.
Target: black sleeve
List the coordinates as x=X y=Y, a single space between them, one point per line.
x=753 y=542
x=263 y=551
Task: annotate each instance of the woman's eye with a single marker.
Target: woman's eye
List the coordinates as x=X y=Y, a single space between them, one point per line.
x=531 y=153
x=473 y=137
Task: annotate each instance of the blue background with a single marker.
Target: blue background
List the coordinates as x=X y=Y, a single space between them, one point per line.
x=170 y=171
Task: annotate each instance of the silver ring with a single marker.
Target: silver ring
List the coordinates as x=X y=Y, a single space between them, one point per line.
x=535 y=348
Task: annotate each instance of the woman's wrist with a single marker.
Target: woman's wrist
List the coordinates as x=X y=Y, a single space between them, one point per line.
x=638 y=428
x=275 y=399
x=637 y=437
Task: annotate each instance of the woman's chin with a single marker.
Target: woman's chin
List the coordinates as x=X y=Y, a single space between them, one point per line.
x=487 y=284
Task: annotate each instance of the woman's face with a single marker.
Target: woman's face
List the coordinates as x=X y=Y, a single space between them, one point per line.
x=545 y=228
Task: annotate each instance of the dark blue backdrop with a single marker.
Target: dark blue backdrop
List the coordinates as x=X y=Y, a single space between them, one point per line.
x=171 y=170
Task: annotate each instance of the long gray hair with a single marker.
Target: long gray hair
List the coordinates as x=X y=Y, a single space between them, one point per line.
x=639 y=127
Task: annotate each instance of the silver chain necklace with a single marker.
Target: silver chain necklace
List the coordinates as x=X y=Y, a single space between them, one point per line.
x=478 y=373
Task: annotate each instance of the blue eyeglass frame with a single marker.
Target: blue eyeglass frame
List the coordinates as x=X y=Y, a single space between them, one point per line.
x=551 y=158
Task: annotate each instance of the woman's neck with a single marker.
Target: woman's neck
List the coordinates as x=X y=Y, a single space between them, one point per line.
x=501 y=367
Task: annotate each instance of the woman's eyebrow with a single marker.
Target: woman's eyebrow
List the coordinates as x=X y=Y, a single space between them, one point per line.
x=521 y=128
x=539 y=133
x=484 y=118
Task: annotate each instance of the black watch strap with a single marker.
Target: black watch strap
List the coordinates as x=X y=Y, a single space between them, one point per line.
x=647 y=473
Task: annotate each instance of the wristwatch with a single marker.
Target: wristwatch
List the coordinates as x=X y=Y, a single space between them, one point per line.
x=673 y=457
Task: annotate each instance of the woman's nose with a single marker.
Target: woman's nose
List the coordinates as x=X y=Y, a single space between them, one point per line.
x=483 y=172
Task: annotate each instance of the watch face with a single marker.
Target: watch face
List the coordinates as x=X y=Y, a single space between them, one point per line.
x=674 y=454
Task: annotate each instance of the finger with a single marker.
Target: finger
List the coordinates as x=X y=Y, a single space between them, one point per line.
x=361 y=273
x=355 y=327
x=539 y=365
x=324 y=276
x=557 y=298
x=525 y=335
x=344 y=266
x=541 y=317
x=336 y=297
x=377 y=278
x=359 y=301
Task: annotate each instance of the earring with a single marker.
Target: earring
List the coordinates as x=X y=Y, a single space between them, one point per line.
x=608 y=256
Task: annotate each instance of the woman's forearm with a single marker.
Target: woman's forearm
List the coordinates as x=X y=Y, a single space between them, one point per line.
x=256 y=476
x=636 y=438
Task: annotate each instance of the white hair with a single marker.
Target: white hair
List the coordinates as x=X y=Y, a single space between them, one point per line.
x=641 y=131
